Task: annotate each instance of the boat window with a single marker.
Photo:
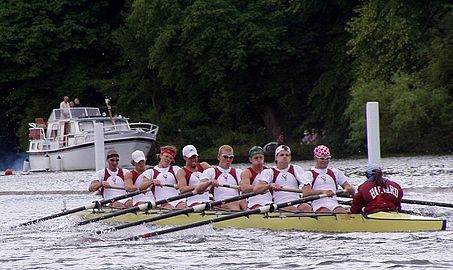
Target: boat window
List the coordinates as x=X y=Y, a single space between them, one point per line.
x=77 y=112
x=86 y=126
x=93 y=112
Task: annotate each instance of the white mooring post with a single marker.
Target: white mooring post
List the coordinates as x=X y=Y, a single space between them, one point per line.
x=99 y=146
x=372 y=131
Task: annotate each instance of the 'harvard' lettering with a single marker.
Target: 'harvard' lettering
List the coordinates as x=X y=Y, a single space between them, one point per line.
x=374 y=192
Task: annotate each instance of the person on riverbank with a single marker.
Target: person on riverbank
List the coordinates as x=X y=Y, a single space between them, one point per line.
x=283 y=175
x=189 y=177
x=377 y=193
x=109 y=182
x=134 y=178
x=225 y=174
x=249 y=178
x=162 y=174
x=324 y=178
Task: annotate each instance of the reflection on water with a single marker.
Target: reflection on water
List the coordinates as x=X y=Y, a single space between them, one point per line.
x=58 y=244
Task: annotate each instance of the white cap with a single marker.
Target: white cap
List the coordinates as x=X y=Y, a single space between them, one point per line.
x=138 y=156
x=189 y=151
x=282 y=148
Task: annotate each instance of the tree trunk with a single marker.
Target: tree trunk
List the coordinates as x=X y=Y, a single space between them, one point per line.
x=272 y=120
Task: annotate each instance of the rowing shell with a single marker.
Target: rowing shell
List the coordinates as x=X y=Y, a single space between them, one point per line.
x=319 y=222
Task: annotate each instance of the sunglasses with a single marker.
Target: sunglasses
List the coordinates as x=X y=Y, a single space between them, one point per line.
x=325 y=158
x=228 y=157
x=114 y=160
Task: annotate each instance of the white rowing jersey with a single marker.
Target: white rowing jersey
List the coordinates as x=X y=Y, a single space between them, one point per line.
x=114 y=178
x=193 y=179
x=230 y=176
x=290 y=177
x=260 y=199
x=165 y=176
x=143 y=197
x=325 y=179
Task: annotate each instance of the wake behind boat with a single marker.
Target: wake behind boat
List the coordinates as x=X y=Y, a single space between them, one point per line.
x=317 y=222
x=66 y=140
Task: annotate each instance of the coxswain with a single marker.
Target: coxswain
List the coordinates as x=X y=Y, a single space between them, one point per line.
x=377 y=193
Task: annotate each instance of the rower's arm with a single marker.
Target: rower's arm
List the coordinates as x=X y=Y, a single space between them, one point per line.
x=95 y=185
x=349 y=188
x=129 y=183
x=261 y=188
x=245 y=185
x=182 y=181
x=308 y=191
x=146 y=183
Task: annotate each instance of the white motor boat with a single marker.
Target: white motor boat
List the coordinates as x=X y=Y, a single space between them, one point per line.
x=66 y=140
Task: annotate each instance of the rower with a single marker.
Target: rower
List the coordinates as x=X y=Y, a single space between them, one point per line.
x=283 y=175
x=134 y=178
x=163 y=173
x=377 y=193
x=322 y=178
x=224 y=174
x=189 y=177
x=249 y=178
x=110 y=181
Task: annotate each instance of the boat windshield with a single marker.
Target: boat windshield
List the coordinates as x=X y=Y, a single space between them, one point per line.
x=108 y=125
x=71 y=113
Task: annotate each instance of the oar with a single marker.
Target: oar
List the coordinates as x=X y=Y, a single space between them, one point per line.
x=78 y=209
x=263 y=209
x=409 y=201
x=442 y=204
x=281 y=189
x=173 y=213
x=141 y=207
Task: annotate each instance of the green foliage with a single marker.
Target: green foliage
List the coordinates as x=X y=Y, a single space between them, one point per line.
x=213 y=72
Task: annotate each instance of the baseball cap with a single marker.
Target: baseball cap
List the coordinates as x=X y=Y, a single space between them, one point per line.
x=138 y=156
x=282 y=148
x=256 y=150
x=371 y=168
x=321 y=151
x=112 y=153
x=189 y=151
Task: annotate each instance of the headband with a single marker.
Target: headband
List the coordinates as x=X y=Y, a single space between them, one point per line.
x=169 y=151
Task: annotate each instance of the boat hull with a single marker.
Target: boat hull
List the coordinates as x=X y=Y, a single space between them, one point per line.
x=329 y=222
x=82 y=157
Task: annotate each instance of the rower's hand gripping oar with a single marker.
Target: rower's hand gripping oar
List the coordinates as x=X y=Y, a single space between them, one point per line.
x=260 y=210
x=78 y=209
x=141 y=207
x=173 y=213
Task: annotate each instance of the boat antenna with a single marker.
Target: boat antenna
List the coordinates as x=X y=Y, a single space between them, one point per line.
x=109 y=108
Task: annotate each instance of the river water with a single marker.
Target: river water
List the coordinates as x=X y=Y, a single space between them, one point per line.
x=58 y=244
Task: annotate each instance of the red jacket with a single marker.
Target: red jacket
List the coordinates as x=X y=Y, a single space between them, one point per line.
x=376 y=198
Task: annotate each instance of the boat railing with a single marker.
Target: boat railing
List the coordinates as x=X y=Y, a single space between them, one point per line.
x=144 y=127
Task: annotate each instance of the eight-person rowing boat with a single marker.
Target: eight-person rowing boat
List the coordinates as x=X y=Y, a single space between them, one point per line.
x=284 y=197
